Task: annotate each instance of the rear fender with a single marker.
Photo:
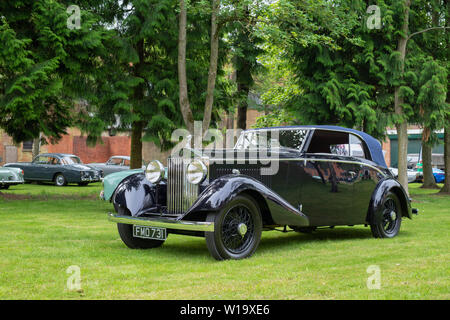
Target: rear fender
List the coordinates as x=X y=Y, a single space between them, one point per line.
x=383 y=187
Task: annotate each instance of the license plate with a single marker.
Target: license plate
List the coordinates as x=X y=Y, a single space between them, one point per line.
x=149 y=232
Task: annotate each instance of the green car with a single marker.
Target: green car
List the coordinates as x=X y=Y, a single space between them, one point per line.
x=10 y=177
x=111 y=181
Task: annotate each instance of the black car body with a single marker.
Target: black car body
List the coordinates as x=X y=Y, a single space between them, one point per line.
x=325 y=176
x=58 y=168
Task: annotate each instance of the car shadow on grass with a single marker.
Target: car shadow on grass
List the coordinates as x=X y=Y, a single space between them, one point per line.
x=191 y=248
x=321 y=235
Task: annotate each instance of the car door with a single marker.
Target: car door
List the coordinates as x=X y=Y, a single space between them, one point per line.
x=327 y=183
x=54 y=166
x=38 y=168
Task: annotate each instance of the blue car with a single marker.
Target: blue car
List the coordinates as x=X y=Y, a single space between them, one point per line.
x=439 y=175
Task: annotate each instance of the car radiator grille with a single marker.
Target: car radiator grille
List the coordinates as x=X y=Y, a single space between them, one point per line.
x=180 y=193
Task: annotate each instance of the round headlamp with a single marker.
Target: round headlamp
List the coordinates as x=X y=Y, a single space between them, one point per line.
x=196 y=172
x=154 y=171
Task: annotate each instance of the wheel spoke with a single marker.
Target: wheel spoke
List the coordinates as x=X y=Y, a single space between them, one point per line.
x=232 y=239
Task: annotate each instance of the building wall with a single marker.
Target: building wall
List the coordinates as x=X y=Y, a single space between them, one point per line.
x=75 y=143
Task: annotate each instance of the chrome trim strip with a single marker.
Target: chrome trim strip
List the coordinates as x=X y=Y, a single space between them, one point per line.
x=163 y=223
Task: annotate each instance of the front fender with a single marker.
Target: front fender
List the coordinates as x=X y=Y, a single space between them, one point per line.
x=382 y=188
x=222 y=190
x=136 y=194
x=112 y=181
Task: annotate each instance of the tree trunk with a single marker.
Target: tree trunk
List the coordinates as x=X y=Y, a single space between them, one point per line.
x=36 y=146
x=186 y=111
x=446 y=187
x=428 y=178
x=185 y=107
x=137 y=127
x=212 y=74
x=243 y=89
x=230 y=120
x=136 y=145
x=402 y=127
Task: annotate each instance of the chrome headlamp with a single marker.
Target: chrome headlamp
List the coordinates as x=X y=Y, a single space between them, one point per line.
x=196 y=172
x=154 y=171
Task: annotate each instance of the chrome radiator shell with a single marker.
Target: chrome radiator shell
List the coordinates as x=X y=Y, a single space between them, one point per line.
x=180 y=193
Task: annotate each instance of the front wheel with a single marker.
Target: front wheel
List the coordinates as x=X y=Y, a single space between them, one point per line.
x=388 y=220
x=237 y=230
x=126 y=234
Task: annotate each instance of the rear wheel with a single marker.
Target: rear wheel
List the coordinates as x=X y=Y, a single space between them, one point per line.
x=237 y=230
x=60 y=180
x=389 y=219
x=126 y=234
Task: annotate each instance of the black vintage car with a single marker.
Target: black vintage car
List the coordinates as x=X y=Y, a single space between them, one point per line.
x=298 y=178
x=58 y=168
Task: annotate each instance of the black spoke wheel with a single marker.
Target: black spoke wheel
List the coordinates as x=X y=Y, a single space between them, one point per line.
x=237 y=229
x=388 y=220
x=126 y=234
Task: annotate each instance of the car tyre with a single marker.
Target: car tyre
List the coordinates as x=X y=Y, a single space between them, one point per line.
x=388 y=220
x=60 y=180
x=237 y=229
x=126 y=234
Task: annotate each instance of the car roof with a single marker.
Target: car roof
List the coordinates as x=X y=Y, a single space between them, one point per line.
x=60 y=155
x=121 y=157
x=374 y=146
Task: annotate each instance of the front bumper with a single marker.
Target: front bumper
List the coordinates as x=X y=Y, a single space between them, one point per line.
x=163 y=223
x=90 y=179
x=11 y=182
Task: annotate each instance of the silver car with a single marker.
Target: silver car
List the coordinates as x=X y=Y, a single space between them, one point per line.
x=114 y=164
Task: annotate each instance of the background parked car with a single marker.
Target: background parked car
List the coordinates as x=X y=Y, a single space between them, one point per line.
x=412 y=174
x=114 y=164
x=10 y=177
x=439 y=175
x=58 y=168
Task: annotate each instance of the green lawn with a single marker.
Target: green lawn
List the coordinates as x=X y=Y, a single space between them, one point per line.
x=45 y=229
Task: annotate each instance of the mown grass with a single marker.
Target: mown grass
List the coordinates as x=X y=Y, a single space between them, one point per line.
x=54 y=228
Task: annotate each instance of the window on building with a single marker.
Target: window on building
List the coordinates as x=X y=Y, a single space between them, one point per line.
x=27 y=146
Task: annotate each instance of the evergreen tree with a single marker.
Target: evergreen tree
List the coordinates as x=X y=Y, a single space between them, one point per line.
x=42 y=66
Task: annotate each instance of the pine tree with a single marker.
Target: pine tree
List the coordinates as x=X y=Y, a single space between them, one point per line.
x=42 y=66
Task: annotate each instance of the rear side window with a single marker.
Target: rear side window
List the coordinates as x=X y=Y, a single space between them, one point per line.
x=356 y=147
x=337 y=143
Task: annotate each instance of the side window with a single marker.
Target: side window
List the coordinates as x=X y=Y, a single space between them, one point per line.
x=330 y=142
x=356 y=147
x=340 y=149
x=115 y=161
x=41 y=160
x=126 y=163
x=53 y=161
